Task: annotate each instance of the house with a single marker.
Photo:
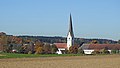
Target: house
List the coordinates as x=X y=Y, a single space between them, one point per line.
x=89 y=48
x=61 y=47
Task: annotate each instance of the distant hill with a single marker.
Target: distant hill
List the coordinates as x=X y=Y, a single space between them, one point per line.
x=58 y=39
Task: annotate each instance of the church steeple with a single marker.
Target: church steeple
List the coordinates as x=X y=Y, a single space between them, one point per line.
x=71 y=27
x=70 y=35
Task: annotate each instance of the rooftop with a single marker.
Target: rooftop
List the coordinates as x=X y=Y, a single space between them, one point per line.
x=61 y=45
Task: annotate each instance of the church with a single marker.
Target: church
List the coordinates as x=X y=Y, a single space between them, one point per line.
x=87 y=48
x=70 y=39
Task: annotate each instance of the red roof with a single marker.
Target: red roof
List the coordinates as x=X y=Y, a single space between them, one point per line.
x=102 y=46
x=61 y=45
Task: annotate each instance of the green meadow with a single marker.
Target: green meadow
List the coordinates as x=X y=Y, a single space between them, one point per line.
x=15 y=55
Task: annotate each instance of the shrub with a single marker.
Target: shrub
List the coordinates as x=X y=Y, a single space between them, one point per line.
x=96 y=52
x=73 y=49
x=39 y=50
x=29 y=52
x=104 y=51
x=115 y=51
x=80 y=51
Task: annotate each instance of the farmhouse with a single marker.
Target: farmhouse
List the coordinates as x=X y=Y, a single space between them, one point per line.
x=89 y=48
x=61 y=47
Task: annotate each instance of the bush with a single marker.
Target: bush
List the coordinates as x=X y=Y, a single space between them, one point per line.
x=104 y=51
x=73 y=49
x=39 y=50
x=115 y=51
x=96 y=52
x=29 y=52
x=80 y=51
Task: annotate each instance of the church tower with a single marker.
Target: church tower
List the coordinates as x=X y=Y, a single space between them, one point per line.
x=70 y=35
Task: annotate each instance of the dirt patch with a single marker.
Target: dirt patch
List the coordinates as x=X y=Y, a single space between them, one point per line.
x=105 y=61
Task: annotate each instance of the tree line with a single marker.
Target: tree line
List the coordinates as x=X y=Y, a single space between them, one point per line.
x=78 y=41
x=14 y=44
x=42 y=44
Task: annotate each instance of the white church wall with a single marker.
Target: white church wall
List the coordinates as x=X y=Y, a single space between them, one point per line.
x=69 y=41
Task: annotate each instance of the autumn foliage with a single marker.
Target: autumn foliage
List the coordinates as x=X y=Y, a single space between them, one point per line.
x=25 y=45
x=73 y=49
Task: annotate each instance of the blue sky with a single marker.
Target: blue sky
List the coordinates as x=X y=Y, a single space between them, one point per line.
x=91 y=18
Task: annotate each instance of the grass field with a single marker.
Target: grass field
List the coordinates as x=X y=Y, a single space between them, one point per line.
x=15 y=55
x=102 y=61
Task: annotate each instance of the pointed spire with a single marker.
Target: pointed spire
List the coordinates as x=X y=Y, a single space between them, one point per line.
x=70 y=26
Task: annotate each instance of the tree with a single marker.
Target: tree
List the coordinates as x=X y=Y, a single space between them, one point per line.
x=47 y=49
x=73 y=49
x=38 y=47
x=10 y=48
x=3 y=41
x=24 y=49
x=96 y=52
x=54 y=49
x=39 y=50
x=21 y=50
x=118 y=41
x=80 y=51
x=104 y=51
x=94 y=42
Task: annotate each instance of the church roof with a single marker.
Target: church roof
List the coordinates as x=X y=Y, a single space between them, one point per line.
x=71 y=27
x=61 y=45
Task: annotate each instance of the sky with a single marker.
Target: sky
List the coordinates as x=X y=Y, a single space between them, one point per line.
x=91 y=18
